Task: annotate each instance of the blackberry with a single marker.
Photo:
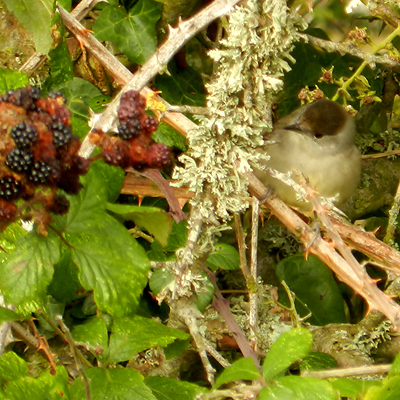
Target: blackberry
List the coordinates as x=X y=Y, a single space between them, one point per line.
x=24 y=135
x=59 y=205
x=61 y=134
x=129 y=128
x=158 y=155
x=41 y=172
x=19 y=160
x=150 y=124
x=133 y=98
x=36 y=94
x=10 y=189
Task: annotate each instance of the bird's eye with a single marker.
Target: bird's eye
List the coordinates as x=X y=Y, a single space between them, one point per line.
x=318 y=136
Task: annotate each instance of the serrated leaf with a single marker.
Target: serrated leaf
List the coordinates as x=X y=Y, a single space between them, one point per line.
x=93 y=335
x=131 y=335
x=12 y=367
x=118 y=384
x=182 y=86
x=389 y=389
x=49 y=386
x=134 y=33
x=289 y=348
x=224 y=257
x=171 y=389
x=12 y=80
x=169 y=136
x=111 y=263
x=155 y=220
x=36 y=16
x=353 y=388
x=315 y=289
x=240 y=369
x=25 y=275
x=295 y=387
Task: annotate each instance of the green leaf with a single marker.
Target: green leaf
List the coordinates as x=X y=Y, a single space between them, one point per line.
x=388 y=390
x=79 y=92
x=169 y=136
x=160 y=280
x=352 y=388
x=61 y=65
x=8 y=315
x=297 y=388
x=98 y=103
x=12 y=367
x=12 y=80
x=223 y=257
x=182 y=86
x=65 y=285
x=93 y=335
x=315 y=288
x=289 y=348
x=9 y=238
x=25 y=275
x=133 y=33
x=205 y=293
x=240 y=369
x=131 y=335
x=118 y=384
x=156 y=221
x=109 y=260
x=111 y=263
x=49 y=386
x=171 y=389
x=395 y=370
x=317 y=362
x=36 y=16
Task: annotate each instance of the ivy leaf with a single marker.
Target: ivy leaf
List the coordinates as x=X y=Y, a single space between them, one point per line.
x=131 y=335
x=134 y=33
x=36 y=16
x=25 y=275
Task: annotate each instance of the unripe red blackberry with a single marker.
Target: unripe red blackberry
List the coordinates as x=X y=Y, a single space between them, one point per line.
x=158 y=155
x=61 y=134
x=19 y=160
x=10 y=188
x=58 y=204
x=24 y=135
x=150 y=124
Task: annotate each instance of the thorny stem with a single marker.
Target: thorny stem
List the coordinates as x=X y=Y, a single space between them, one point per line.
x=348 y=372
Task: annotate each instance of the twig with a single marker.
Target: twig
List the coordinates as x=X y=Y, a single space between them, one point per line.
x=221 y=305
x=381 y=155
x=177 y=38
x=354 y=51
x=347 y=372
x=75 y=354
x=393 y=214
x=359 y=281
x=79 y=12
x=253 y=294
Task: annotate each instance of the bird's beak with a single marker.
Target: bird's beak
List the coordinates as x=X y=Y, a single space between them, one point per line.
x=294 y=127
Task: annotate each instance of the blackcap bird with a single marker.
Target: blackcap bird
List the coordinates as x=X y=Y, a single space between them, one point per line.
x=316 y=141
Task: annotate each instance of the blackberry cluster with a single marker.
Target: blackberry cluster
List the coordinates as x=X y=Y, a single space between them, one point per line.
x=37 y=152
x=24 y=135
x=134 y=146
x=10 y=188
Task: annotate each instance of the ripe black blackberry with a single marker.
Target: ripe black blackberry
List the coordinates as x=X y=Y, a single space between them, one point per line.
x=10 y=188
x=19 y=160
x=129 y=129
x=133 y=98
x=61 y=134
x=40 y=172
x=24 y=135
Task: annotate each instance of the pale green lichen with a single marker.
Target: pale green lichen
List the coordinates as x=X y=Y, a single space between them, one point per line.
x=249 y=68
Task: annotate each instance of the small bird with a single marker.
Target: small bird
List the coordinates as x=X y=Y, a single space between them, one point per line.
x=317 y=141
